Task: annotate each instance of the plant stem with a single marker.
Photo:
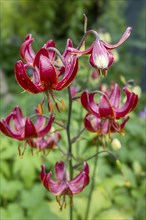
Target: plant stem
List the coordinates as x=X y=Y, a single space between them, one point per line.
x=85 y=35
x=77 y=136
x=70 y=143
x=96 y=154
x=92 y=186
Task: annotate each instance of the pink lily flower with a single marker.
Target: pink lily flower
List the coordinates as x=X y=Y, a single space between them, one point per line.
x=101 y=57
x=22 y=128
x=102 y=127
x=108 y=108
x=63 y=186
x=46 y=70
x=45 y=142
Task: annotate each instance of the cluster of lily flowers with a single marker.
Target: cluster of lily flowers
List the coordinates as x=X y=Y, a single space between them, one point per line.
x=51 y=70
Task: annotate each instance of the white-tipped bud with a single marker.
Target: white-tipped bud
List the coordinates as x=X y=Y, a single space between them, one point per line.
x=102 y=61
x=116 y=144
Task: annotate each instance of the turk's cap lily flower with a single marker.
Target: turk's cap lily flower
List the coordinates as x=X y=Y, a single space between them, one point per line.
x=101 y=57
x=45 y=142
x=45 y=70
x=63 y=186
x=103 y=127
x=109 y=107
x=22 y=128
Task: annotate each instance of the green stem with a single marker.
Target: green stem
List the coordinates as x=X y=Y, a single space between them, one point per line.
x=85 y=35
x=77 y=136
x=92 y=187
x=70 y=143
x=96 y=154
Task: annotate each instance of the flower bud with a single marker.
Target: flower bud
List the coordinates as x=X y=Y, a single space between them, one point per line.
x=116 y=144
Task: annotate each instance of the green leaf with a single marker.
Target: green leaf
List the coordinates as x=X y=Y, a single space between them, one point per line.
x=42 y=211
x=8 y=148
x=129 y=175
x=13 y=212
x=34 y=197
x=5 y=168
x=113 y=214
x=25 y=169
x=10 y=189
x=99 y=201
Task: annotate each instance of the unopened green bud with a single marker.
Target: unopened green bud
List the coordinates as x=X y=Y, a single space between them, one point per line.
x=119 y=165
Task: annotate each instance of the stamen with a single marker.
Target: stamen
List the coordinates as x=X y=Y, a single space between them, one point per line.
x=57 y=106
x=31 y=151
x=58 y=200
x=122 y=132
x=40 y=109
x=63 y=105
x=50 y=107
x=19 y=151
x=24 y=149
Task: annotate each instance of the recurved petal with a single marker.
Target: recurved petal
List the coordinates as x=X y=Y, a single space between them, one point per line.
x=48 y=73
x=23 y=80
x=60 y=171
x=56 y=188
x=69 y=44
x=42 y=173
x=19 y=120
x=45 y=177
x=26 y=51
x=122 y=125
x=3 y=128
x=43 y=131
x=10 y=132
x=130 y=104
x=41 y=52
x=115 y=98
x=70 y=73
x=92 y=123
x=80 y=181
x=105 y=108
x=40 y=120
x=123 y=38
x=88 y=103
x=51 y=53
x=80 y=52
x=30 y=130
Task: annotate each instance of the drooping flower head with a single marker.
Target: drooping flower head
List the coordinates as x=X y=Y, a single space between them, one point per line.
x=101 y=56
x=49 y=69
x=23 y=128
x=103 y=115
x=63 y=186
x=46 y=69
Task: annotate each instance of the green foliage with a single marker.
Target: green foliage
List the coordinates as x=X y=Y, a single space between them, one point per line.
x=116 y=194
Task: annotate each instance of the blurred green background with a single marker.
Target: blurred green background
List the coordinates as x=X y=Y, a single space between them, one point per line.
x=115 y=196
